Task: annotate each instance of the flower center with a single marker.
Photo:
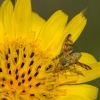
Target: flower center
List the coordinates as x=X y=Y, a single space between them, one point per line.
x=28 y=73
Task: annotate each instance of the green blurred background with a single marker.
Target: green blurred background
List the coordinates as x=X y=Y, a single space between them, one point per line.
x=90 y=37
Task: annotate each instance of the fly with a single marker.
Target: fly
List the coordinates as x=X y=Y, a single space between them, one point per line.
x=67 y=59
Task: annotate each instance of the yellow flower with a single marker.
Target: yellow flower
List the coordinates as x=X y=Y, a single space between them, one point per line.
x=27 y=46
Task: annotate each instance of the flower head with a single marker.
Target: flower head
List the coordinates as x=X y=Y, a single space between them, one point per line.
x=30 y=65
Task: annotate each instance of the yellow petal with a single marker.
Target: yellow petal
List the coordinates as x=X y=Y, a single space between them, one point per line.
x=75 y=26
x=87 y=58
x=70 y=98
x=90 y=74
x=53 y=29
x=79 y=92
x=22 y=17
x=36 y=26
x=1 y=33
x=6 y=12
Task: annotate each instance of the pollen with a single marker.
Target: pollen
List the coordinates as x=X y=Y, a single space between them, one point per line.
x=27 y=72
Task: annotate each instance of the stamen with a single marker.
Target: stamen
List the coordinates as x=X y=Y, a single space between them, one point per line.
x=0 y=69
x=23 y=80
x=29 y=79
x=31 y=63
x=17 y=52
x=24 y=55
x=23 y=75
x=37 y=84
x=8 y=65
x=22 y=64
x=19 y=83
x=15 y=59
x=23 y=91
x=49 y=67
x=32 y=54
x=3 y=79
x=2 y=85
x=24 y=49
x=30 y=86
x=16 y=71
x=9 y=72
x=11 y=82
x=29 y=71
x=17 y=76
x=38 y=67
x=6 y=57
x=3 y=99
x=36 y=74
x=9 y=50
x=32 y=95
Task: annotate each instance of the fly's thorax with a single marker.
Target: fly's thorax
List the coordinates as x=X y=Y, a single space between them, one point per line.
x=63 y=61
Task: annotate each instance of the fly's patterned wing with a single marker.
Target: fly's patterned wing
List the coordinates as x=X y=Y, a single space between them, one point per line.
x=67 y=47
x=83 y=65
x=67 y=44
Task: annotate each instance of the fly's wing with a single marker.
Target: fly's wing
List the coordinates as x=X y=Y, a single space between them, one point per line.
x=84 y=66
x=67 y=44
x=67 y=47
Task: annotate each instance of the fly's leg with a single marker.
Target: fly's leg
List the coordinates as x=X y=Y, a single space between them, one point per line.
x=57 y=68
x=72 y=69
x=75 y=70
